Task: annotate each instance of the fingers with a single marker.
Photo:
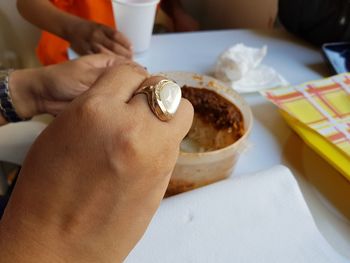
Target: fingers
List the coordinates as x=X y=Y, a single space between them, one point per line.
x=92 y=67
x=82 y=48
x=182 y=121
x=98 y=48
x=103 y=60
x=120 y=81
x=101 y=38
x=120 y=38
x=115 y=41
x=116 y=48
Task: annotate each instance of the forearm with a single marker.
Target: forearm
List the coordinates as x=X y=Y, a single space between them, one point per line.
x=46 y=16
x=38 y=236
x=16 y=246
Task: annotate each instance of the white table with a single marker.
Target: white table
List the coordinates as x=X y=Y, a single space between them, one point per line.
x=272 y=141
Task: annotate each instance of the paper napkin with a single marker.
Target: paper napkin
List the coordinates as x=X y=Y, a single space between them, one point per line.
x=320 y=112
x=240 y=67
x=253 y=218
x=17 y=138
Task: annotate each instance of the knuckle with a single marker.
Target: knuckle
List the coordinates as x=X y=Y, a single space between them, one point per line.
x=123 y=151
x=91 y=108
x=128 y=141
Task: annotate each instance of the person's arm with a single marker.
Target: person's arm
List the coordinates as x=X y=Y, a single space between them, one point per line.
x=51 y=89
x=85 y=36
x=94 y=178
x=46 y=16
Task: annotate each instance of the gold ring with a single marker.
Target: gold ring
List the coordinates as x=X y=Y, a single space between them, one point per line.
x=163 y=98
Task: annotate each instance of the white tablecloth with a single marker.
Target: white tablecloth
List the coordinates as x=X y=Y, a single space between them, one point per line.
x=259 y=217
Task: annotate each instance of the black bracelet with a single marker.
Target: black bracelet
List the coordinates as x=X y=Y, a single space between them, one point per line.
x=6 y=106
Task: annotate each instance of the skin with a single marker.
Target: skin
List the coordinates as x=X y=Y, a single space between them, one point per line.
x=183 y=22
x=85 y=36
x=50 y=89
x=94 y=178
x=88 y=37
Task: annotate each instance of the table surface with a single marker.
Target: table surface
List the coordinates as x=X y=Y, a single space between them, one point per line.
x=272 y=142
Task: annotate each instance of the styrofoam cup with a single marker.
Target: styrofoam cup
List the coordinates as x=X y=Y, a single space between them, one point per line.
x=135 y=19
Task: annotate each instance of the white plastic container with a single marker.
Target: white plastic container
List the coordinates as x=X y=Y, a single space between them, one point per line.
x=135 y=19
x=194 y=170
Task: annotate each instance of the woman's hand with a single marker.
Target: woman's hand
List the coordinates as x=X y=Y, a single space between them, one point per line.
x=87 y=37
x=50 y=89
x=62 y=83
x=94 y=178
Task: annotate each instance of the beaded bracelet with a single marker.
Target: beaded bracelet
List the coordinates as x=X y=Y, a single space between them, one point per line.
x=6 y=106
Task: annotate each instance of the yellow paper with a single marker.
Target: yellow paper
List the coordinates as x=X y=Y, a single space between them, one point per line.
x=319 y=111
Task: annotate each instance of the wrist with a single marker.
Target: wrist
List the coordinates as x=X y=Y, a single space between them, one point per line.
x=23 y=85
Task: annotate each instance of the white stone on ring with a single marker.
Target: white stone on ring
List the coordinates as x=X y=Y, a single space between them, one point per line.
x=168 y=95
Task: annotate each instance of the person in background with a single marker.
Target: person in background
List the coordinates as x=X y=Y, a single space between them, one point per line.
x=317 y=21
x=87 y=26
x=181 y=20
x=95 y=176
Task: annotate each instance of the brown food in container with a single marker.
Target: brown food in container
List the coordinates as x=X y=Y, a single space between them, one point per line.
x=221 y=125
x=217 y=122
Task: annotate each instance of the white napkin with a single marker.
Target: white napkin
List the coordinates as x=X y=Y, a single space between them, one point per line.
x=252 y=218
x=17 y=138
x=240 y=67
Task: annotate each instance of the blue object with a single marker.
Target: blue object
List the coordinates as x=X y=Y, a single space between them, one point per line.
x=338 y=56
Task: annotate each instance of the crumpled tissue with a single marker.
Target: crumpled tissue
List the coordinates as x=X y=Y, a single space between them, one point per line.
x=241 y=68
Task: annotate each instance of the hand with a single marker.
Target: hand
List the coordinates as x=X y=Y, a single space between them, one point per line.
x=94 y=178
x=62 y=83
x=88 y=37
x=51 y=89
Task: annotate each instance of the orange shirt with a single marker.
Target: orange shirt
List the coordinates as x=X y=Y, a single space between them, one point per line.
x=53 y=49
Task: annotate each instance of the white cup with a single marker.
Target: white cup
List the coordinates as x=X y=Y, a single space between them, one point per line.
x=135 y=19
